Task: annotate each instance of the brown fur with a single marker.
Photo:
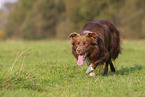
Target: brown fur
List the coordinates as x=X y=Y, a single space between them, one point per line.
x=100 y=40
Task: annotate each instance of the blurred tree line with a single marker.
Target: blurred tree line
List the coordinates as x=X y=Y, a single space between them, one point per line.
x=38 y=19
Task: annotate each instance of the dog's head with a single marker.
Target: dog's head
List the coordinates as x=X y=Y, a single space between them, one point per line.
x=82 y=43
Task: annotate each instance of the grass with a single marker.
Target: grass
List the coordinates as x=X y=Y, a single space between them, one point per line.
x=48 y=68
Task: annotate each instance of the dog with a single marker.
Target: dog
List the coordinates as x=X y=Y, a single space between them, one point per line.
x=98 y=43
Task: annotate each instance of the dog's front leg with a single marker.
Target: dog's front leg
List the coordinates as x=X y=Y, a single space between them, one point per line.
x=92 y=73
x=88 y=62
x=90 y=70
x=103 y=58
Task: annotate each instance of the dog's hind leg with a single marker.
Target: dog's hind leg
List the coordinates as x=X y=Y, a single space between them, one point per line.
x=112 y=67
x=105 y=69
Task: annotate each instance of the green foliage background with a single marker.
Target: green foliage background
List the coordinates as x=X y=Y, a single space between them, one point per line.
x=38 y=19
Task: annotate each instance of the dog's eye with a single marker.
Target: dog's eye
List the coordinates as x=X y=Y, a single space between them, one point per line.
x=78 y=43
x=85 y=43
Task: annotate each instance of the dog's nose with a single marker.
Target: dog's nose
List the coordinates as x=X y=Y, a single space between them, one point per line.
x=78 y=50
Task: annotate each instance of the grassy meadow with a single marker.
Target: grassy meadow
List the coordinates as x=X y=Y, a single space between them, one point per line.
x=48 y=69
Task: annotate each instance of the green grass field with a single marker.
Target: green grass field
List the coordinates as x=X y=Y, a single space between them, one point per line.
x=48 y=69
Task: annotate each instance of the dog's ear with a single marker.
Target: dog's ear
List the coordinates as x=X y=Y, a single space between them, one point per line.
x=74 y=34
x=91 y=34
x=73 y=37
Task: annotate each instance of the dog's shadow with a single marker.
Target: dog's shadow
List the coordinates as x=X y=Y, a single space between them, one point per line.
x=127 y=70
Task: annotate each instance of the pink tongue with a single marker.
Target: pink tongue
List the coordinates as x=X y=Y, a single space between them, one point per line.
x=80 y=60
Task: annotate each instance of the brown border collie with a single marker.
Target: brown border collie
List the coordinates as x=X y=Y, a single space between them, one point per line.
x=98 y=43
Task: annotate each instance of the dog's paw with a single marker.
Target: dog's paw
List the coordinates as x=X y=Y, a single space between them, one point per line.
x=92 y=73
x=90 y=69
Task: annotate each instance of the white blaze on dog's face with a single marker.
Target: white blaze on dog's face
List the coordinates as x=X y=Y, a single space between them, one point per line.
x=81 y=44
